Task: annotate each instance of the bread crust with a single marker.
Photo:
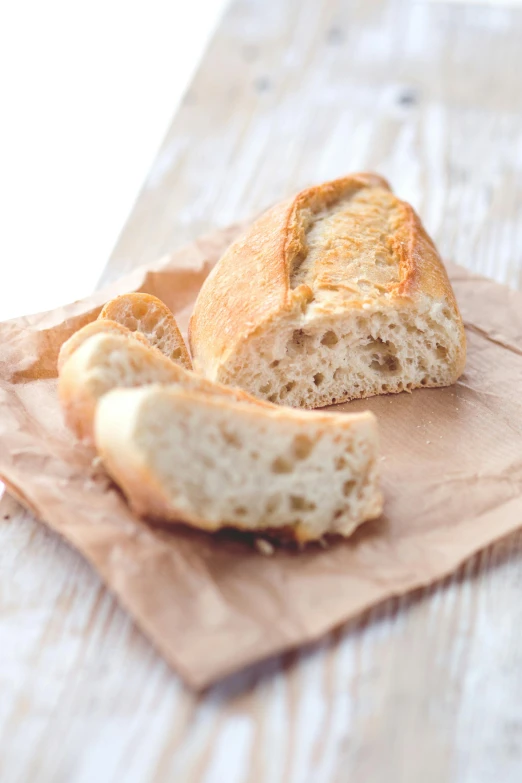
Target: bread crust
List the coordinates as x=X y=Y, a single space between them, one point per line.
x=251 y=286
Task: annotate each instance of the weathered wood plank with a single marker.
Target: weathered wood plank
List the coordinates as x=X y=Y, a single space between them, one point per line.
x=425 y=688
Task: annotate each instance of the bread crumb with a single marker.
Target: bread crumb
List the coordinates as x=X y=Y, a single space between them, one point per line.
x=96 y=463
x=428 y=441
x=264 y=547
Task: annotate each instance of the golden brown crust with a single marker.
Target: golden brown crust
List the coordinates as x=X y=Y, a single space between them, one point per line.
x=252 y=283
x=246 y=288
x=421 y=267
x=147 y=314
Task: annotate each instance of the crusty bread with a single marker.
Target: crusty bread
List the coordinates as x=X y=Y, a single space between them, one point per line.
x=149 y=315
x=335 y=294
x=101 y=326
x=108 y=361
x=214 y=462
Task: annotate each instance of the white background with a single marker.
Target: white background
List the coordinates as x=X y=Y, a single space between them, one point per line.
x=87 y=91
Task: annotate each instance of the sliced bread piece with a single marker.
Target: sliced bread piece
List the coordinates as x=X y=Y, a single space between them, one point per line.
x=213 y=462
x=101 y=326
x=335 y=294
x=108 y=361
x=149 y=315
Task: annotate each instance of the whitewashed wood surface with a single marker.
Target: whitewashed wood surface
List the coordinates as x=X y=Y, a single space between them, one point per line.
x=426 y=688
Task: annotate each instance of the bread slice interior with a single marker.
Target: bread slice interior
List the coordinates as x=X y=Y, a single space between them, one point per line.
x=214 y=462
x=108 y=361
x=151 y=317
x=101 y=326
x=313 y=360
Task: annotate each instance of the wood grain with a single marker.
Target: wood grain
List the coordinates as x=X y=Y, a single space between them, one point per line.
x=428 y=687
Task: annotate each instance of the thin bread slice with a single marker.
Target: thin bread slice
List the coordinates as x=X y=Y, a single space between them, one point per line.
x=212 y=462
x=335 y=294
x=149 y=315
x=101 y=326
x=108 y=361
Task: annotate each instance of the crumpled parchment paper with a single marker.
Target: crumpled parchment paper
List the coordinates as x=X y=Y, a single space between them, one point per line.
x=451 y=474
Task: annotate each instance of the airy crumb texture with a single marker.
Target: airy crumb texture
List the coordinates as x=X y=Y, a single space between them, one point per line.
x=213 y=462
x=101 y=326
x=148 y=315
x=312 y=362
x=108 y=361
x=337 y=294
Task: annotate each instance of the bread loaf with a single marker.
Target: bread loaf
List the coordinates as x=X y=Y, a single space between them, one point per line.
x=335 y=294
x=210 y=461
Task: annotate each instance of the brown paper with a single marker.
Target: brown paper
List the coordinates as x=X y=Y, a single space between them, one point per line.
x=451 y=475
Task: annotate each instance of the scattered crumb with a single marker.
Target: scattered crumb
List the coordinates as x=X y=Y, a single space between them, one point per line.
x=6 y=516
x=428 y=441
x=383 y=458
x=96 y=463
x=264 y=547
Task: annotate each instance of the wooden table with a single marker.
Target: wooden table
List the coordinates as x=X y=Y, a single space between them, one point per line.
x=426 y=688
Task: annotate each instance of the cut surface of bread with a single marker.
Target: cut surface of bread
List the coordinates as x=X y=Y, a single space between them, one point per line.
x=213 y=462
x=101 y=326
x=108 y=361
x=336 y=294
x=149 y=315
